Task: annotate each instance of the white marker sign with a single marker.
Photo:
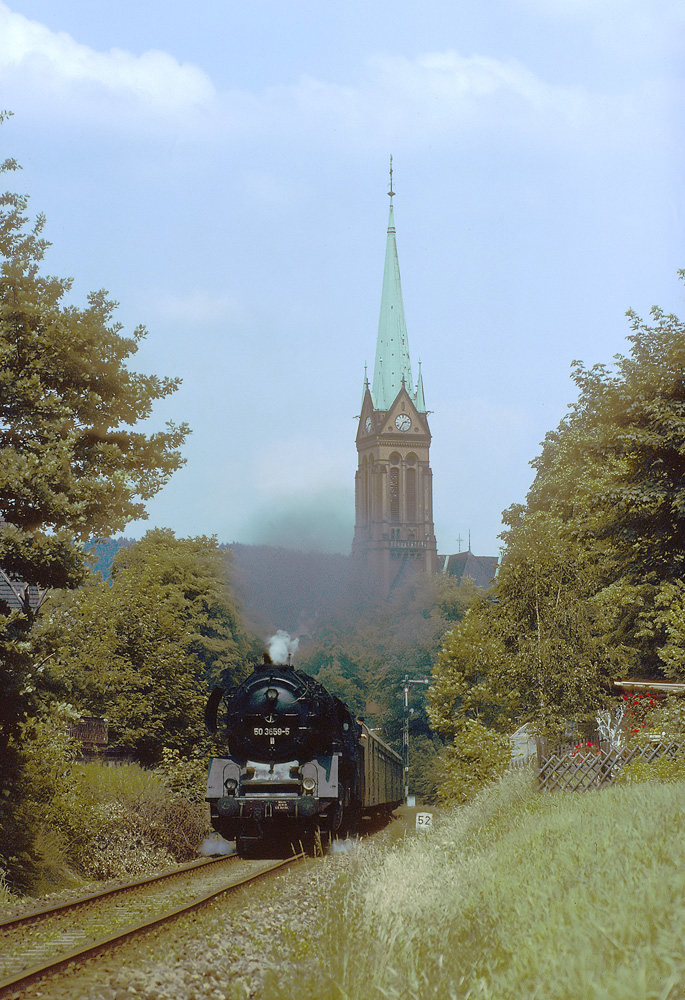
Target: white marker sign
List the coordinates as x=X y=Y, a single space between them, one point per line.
x=424 y=821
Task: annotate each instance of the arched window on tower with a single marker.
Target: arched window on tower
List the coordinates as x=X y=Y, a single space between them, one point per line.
x=369 y=491
x=365 y=492
x=411 y=494
x=377 y=509
x=394 y=487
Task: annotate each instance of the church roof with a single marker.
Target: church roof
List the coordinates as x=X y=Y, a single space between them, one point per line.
x=392 y=368
x=481 y=569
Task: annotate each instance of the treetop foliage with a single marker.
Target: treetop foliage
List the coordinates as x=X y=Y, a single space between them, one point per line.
x=71 y=463
x=144 y=651
x=590 y=587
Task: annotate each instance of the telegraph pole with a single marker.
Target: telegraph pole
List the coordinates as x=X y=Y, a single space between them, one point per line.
x=405 y=741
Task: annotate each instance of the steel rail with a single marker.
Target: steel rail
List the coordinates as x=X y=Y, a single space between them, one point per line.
x=9 y=922
x=38 y=971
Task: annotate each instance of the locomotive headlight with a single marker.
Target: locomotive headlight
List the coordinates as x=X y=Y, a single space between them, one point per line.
x=309 y=784
x=230 y=784
x=272 y=695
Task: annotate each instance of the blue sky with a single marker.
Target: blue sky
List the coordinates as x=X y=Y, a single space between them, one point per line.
x=221 y=169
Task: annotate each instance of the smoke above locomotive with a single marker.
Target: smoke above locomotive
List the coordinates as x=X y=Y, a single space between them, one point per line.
x=282 y=647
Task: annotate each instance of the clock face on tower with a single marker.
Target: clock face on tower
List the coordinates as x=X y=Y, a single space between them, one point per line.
x=403 y=422
x=368 y=425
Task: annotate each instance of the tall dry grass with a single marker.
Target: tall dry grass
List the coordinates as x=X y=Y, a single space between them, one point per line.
x=518 y=895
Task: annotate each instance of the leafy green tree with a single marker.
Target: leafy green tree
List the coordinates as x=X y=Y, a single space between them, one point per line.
x=71 y=463
x=641 y=410
x=476 y=757
x=70 y=466
x=614 y=474
x=531 y=656
x=425 y=767
x=590 y=586
x=556 y=665
x=143 y=651
x=462 y=683
x=347 y=687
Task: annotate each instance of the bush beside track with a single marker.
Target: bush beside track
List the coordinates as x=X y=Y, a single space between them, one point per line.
x=102 y=823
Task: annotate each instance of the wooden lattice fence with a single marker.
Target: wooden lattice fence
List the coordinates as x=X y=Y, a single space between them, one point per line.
x=577 y=772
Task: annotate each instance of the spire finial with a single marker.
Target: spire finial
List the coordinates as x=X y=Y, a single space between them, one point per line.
x=391 y=192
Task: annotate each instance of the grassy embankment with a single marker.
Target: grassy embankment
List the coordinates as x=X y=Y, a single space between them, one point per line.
x=100 y=823
x=519 y=895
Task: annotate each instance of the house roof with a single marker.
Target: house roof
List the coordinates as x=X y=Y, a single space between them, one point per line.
x=14 y=593
x=663 y=687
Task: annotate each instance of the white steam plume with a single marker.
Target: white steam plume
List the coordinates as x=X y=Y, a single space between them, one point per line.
x=281 y=646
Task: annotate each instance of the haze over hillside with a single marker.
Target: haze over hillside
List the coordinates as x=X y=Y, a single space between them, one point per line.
x=282 y=589
x=277 y=588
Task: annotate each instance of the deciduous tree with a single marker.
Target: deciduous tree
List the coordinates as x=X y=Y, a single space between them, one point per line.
x=590 y=585
x=144 y=651
x=72 y=463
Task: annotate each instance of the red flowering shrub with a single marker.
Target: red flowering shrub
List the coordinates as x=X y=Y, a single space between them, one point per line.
x=585 y=748
x=637 y=708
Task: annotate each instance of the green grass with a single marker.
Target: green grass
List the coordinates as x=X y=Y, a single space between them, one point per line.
x=129 y=784
x=6 y=894
x=519 y=895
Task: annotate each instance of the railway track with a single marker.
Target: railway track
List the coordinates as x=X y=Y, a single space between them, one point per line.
x=36 y=943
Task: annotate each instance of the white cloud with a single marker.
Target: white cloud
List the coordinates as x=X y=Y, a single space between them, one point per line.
x=423 y=94
x=440 y=89
x=430 y=97
x=439 y=96
x=50 y=61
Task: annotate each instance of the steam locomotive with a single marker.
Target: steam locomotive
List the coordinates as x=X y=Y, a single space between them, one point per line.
x=298 y=763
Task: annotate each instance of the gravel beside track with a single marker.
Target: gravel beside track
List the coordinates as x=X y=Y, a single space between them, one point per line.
x=221 y=951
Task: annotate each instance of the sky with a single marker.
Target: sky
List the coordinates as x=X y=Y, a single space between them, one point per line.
x=222 y=168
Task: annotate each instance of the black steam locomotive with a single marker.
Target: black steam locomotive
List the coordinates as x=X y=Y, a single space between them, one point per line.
x=299 y=763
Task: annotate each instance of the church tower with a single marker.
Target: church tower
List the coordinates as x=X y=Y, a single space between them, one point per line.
x=394 y=531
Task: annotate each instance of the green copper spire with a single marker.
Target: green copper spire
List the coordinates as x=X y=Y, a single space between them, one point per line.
x=419 y=400
x=366 y=385
x=392 y=369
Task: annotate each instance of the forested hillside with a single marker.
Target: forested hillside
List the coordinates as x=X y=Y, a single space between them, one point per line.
x=277 y=588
